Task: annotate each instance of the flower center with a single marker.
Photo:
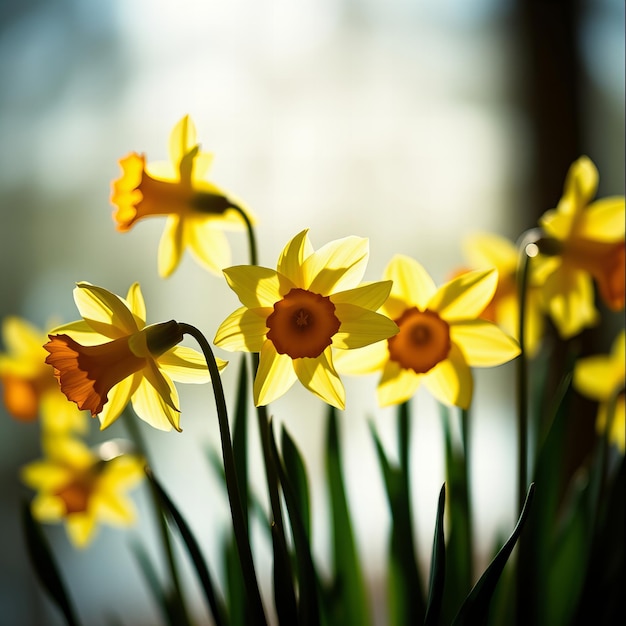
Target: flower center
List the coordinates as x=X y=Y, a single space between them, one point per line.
x=423 y=340
x=77 y=492
x=302 y=324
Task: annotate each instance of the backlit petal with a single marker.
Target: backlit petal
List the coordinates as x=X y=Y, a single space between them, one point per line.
x=596 y=377
x=603 y=221
x=105 y=312
x=365 y=360
x=360 y=327
x=336 y=266
x=581 y=183
x=114 y=508
x=292 y=257
x=80 y=528
x=451 y=380
x=244 y=329
x=274 y=376
x=20 y=337
x=483 y=344
x=208 y=244
x=151 y=407
x=319 y=376
x=412 y=285
x=171 y=246
x=370 y=296
x=45 y=475
x=137 y=305
x=81 y=332
x=182 y=139
x=466 y=296
x=47 y=508
x=397 y=384
x=119 y=397
x=186 y=365
x=255 y=286
x=484 y=250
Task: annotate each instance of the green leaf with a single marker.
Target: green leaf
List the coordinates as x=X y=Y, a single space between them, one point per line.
x=437 y=566
x=215 y=603
x=240 y=437
x=475 y=609
x=295 y=470
x=45 y=565
x=239 y=609
x=308 y=606
x=350 y=604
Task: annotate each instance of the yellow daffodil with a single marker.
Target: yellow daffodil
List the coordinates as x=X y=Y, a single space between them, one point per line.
x=296 y=315
x=197 y=211
x=76 y=486
x=486 y=250
x=600 y=378
x=30 y=389
x=111 y=357
x=440 y=336
x=584 y=242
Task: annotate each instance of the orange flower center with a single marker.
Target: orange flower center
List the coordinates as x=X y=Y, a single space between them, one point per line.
x=87 y=373
x=77 y=492
x=423 y=340
x=302 y=324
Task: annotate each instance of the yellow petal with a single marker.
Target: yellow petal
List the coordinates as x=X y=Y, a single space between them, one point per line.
x=81 y=332
x=365 y=360
x=466 y=296
x=603 y=221
x=150 y=406
x=274 y=376
x=182 y=139
x=255 y=286
x=570 y=298
x=137 y=304
x=483 y=344
x=450 y=381
x=21 y=338
x=397 y=385
x=186 y=365
x=119 y=397
x=80 y=528
x=201 y=165
x=617 y=434
x=243 y=330
x=292 y=257
x=47 y=508
x=45 y=475
x=208 y=244
x=122 y=472
x=412 y=285
x=59 y=415
x=114 y=508
x=171 y=246
x=319 y=376
x=67 y=451
x=559 y=223
x=581 y=182
x=370 y=296
x=597 y=377
x=360 y=327
x=337 y=266
x=484 y=250
x=105 y=312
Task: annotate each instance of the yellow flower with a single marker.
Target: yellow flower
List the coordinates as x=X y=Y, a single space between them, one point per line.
x=78 y=487
x=600 y=377
x=30 y=388
x=197 y=211
x=111 y=357
x=296 y=315
x=486 y=250
x=584 y=242
x=440 y=336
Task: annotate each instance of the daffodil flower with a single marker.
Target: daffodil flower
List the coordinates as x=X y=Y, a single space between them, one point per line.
x=197 y=210
x=485 y=250
x=295 y=316
x=78 y=487
x=601 y=377
x=584 y=242
x=30 y=389
x=440 y=338
x=111 y=357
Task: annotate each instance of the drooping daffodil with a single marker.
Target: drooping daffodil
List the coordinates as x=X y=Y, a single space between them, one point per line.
x=81 y=488
x=441 y=336
x=30 y=389
x=197 y=211
x=584 y=242
x=296 y=315
x=111 y=358
x=601 y=378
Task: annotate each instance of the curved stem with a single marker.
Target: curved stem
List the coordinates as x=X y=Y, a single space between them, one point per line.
x=239 y=522
x=251 y=237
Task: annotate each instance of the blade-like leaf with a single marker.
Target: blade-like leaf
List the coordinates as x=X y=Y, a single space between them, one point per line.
x=295 y=470
x=240 y=437
x=475 y=609
x=215 y=603
x=351 y=606
x=45 y=566
x=437 y=566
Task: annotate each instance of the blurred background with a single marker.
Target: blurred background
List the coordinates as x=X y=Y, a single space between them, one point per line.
x=411 y=122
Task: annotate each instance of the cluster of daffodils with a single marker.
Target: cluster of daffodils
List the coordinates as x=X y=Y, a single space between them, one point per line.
x=310 y=319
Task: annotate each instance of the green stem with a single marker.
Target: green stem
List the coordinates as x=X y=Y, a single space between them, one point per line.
x=132 y=426
x=251 y=237
x=239 y=521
